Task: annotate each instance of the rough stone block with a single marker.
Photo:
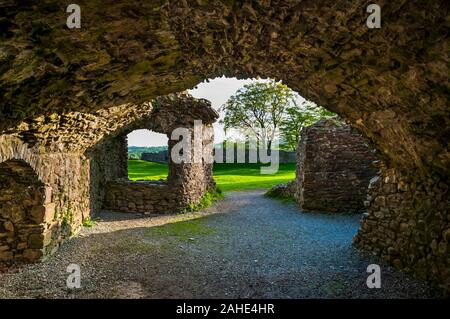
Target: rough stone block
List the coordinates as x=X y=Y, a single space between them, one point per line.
x=48 y=194
x=6 y=255
x=37 y=214
x=36 y=241
x=49 y=212
x=33 y=254
x=9 y=226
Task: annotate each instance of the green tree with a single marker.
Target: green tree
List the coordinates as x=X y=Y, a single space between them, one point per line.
x=259 y=107
x=298 y=117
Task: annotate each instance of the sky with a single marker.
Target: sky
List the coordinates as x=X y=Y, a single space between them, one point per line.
x=217 y=91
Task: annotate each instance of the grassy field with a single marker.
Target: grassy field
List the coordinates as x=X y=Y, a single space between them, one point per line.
x=229 y=177
x=142 y=170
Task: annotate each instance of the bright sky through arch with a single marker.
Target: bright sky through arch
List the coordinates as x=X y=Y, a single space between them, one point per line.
x=217 y=90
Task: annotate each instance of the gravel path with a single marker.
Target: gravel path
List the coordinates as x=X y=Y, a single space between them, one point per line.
x=255 y=247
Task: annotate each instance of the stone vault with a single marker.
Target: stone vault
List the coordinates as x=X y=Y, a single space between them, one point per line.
x=55 y=170
x=390 y=83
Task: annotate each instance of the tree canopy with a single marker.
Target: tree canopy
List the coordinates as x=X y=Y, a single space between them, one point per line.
x=300 y=116
x=260 y=108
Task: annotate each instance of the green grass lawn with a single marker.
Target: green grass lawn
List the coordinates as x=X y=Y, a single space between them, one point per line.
x=142 y=170
x=229 y=177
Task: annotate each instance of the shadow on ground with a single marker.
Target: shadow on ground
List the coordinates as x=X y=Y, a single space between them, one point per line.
x=255 y=248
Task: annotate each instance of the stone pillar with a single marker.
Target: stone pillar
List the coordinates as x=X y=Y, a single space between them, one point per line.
x=193 y=179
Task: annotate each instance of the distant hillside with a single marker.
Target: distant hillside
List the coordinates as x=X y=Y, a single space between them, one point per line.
x=135 y=152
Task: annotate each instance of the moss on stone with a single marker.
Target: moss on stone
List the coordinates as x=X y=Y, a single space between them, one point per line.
x=207 y=200
x=184 y=231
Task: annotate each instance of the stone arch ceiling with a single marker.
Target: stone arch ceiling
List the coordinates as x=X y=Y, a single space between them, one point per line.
x=77 y=132
x=391 y=83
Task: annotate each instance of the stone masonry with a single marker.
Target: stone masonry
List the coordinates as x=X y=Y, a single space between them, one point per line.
x=26 y=213
x=54 y=170
x=408 y=224
x=390 y=83
x=333 y=168
x=186 y=183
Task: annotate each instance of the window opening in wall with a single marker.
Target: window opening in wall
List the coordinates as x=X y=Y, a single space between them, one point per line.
x=147 y=156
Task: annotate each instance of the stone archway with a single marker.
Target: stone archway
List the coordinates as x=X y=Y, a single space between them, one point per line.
x=391 y=83
x=387 y=82
x=187 y=181
x=25 y=210
x=76 y=154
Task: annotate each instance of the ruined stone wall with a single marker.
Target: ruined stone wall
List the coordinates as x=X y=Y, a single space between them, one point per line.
x=108 y=162
x=408 y=223
x=142 y=197
x=159 y=197
x=74 y=156
x=65 y=178
x=333 y=169
x=25 y=212
x=186 y=184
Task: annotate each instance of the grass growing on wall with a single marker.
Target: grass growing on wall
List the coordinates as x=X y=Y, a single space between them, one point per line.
x=229 y=177
x=207 y=200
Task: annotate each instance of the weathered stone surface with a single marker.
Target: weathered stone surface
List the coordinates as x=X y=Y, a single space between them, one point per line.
x=69 y=166
x=408 y=224
x=186 y=182
x=36 y=241
x=388 y=82
x=37 y=213
x=333 y=168
x=6 y=255
x=23 y=215
x=32 y=254
x=391 y=83
x=50 y=210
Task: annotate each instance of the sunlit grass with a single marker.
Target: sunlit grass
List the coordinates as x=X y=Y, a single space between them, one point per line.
x=229 y=177
x=183 y=230
x=142 y=170
x=232 y=177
